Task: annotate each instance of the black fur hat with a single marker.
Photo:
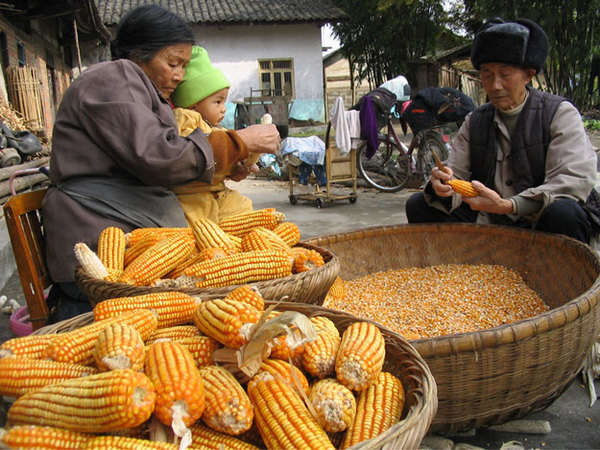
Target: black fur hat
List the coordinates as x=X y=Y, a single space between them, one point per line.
x=522 y=43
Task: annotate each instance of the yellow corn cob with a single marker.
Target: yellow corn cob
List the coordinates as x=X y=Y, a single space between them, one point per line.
x=207 y=253
x=237 y=241
x=111 y=249
x=305 y=259
x=360 y=356
x=179 y=387
x=201 y=348
x=337 y=291
x=119 y=346
x=334 y=404
x=174 y=333
x=228 y=408
x=281 y=416
x=173 y=308
x=319 y=356
x=261 y=238
x=32 y=436
x=77 y=346
x=227 y=321
x=19 y=376
x=280 y=347
x=247 y=294
x=32 y=346
x=209 y=235
x=240 y=224
x=125 y=443
x=209 y=439
x=291 y=374
x=131 y=253
x=240 y=268
x=462 y=187
x=289 y=232
x=127 y=401
x=377 y=409
x=155 y=234
x=89 y=261
x=158 y=260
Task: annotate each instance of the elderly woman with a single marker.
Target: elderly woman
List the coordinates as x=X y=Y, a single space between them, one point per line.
x=526 y=152
x=116 y=149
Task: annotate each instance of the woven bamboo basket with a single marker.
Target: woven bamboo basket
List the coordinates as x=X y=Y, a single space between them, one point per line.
x=402 y=360
x=506 y=372
x=305 y=287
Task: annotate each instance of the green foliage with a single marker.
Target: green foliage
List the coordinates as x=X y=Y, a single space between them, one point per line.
x=591 y=124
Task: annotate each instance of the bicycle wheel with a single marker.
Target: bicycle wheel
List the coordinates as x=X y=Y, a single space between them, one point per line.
x=387 y=170
x=432 y=141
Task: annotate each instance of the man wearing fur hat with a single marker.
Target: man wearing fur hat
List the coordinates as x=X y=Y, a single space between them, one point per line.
x=526 y=151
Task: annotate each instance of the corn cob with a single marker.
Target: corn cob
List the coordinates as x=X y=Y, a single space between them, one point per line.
x=361 y=355
x=247 y=294
x=33 y=436
x=336 y=292
x=131 y=253
x=173 y=308
x=319 y=356
x=125 y=443
x=462 y=187
x=77 y=346
x=201 y=348
x=290 y=373
x=334 y=403
x=305 y=259
x=261 y=238
x=227 y=321
x=206 y=254
x=19 y=376
x=119 y=346
x=209 y=235
x=228 y=408
x=240 y=268
x=179 y=387
x=158 y=260
x=281 y=416
x=209 y=439
x=111 y=249
x=289 y=232
x=126 y=401
x=240 y=224
x=89 y=261
x=174 y=333
x=155 y=234
x=377 y=409
x=32 y=346
x=281 y=348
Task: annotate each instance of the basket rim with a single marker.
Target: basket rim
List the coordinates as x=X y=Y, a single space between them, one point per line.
x=502 y=334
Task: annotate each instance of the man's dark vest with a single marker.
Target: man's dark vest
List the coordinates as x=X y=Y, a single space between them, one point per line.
x=528 y=146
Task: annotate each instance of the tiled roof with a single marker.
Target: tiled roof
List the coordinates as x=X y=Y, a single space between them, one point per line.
x=231 y=11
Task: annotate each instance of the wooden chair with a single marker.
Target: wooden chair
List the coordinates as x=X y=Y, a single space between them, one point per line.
x=25 y=228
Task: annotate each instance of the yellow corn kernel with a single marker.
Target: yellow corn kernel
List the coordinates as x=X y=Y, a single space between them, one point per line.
x=462 y=187
x=158 y=260
x=209 y=439
x=377 y=409
x=228 y=408
x=19 y=375
x=361 y=355
x=155 y=234
x=336 y=291
x=131 y=253
x=281 y=416
x=319 y=356
x=127 y=401
x=111 y=249
x=201 y=348
x=33 y=436
x=173 y=333
x=334 y=404
x=207 y=253
x=285 y=349
x=261 y=238
x=227 y=321
x=179 y=387
x=119 y=346
x=240 y=224
x=305 y=259
x=125 y=442
x=247 y=294
x=89 y=261
x=209 y=235
x=173 y=308
x=290 y=373
x=289 y=232
x=240 y=268
x=32 y=346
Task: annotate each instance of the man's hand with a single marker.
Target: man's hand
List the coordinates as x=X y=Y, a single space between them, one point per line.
x=239 y=171
x=488 y=200
x=260 y=138
x=438 y=178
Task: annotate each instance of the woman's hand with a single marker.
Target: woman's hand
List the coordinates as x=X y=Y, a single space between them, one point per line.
x=239 y=171
x=260 y=138
x=488 y=200
x=438 y=178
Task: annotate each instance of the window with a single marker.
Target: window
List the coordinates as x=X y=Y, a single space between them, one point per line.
x=276 y=77
x=21 y=54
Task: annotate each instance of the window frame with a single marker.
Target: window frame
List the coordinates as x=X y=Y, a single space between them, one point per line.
x=272 y=70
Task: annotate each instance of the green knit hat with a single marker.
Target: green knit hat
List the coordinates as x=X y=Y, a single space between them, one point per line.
x=201 y=80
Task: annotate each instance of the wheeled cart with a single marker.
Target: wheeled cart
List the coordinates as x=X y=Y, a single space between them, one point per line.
x=338 y=169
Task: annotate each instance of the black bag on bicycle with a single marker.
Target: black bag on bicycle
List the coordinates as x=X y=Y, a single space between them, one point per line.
x=383 y=99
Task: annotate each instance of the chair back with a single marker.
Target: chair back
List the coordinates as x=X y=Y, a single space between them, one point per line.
x=25 y=228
